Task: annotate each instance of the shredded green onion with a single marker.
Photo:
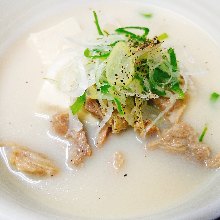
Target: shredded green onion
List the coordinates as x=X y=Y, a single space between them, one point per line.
x=124 y=30
x=173 y=60
x=214 y=96
x=141 y=80
x=203 y=133
x=97 y=23
x=119 y=106
x=95 y=54
x=78 y=104
x=105 y=88
x=147 y=15
x=162 y=37
x=176 y=88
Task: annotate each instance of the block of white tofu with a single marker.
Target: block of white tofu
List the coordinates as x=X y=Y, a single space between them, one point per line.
x=64 y=81
x=52 y=100
x=50 y=44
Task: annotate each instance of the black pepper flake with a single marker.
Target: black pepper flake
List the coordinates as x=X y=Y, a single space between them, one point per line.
x=125 y=174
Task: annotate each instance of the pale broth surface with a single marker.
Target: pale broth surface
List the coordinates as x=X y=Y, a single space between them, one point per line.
x=155 y=180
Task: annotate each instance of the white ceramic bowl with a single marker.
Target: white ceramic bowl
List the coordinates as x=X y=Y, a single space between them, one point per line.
x=18 y=16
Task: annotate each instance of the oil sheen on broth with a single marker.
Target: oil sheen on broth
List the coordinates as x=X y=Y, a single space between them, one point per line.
x=154 y=181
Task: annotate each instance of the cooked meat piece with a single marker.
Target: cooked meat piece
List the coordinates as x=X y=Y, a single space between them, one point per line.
x=118 y=160
x=175 y=113
x=118 y=123
x=28 y=161
x=60 y=123
x=93 y=107
x=200 y=152
x=140 y=128
x=181 y=138
x=81 y=147
x=103 y=134
x=162 y=103
x=214 y=162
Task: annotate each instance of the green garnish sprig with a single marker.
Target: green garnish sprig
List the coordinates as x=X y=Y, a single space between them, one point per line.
x=201 y=137
x=78 y=104
x=132 y=35
x=214 y=97
x=97 y=23
x=147 y=15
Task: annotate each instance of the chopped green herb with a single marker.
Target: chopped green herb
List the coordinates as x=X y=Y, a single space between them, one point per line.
x=124 y=30
x=78 y=104
x=173 y=59
x=147 y=15
x=203 y=133
x=104 y=88
x=160 y=76
x=176 y=88
x=95 y=53
x=162 y=37
x=97 y=23
x=155 y=89
x=214 y=96
x=119 y=106
x=141 y=81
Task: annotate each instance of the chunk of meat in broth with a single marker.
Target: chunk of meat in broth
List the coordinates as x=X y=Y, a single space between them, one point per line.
x=214 y=162
x=92 y=106
x=82 y=149
x=174 y=115
x=118 y=123
x=60 y=123
x=103 y=134
x=140 y=128
x=181 y=138
x=31 y=162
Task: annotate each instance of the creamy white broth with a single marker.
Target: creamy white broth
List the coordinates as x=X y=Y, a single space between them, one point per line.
x=155 y=181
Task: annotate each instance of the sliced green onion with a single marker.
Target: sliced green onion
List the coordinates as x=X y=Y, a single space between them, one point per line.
x=155 y=89
x=203 y=133
x=78 y=104
x=162 y=37
x=97 y=23
x=173 y=60
x=95 y=53
x=176 y=88
x=104 y=88
x=214 y=96
x=119 y=106
x=160 y=76
x=141 y=80
x=124 y=30
x=147 y=15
